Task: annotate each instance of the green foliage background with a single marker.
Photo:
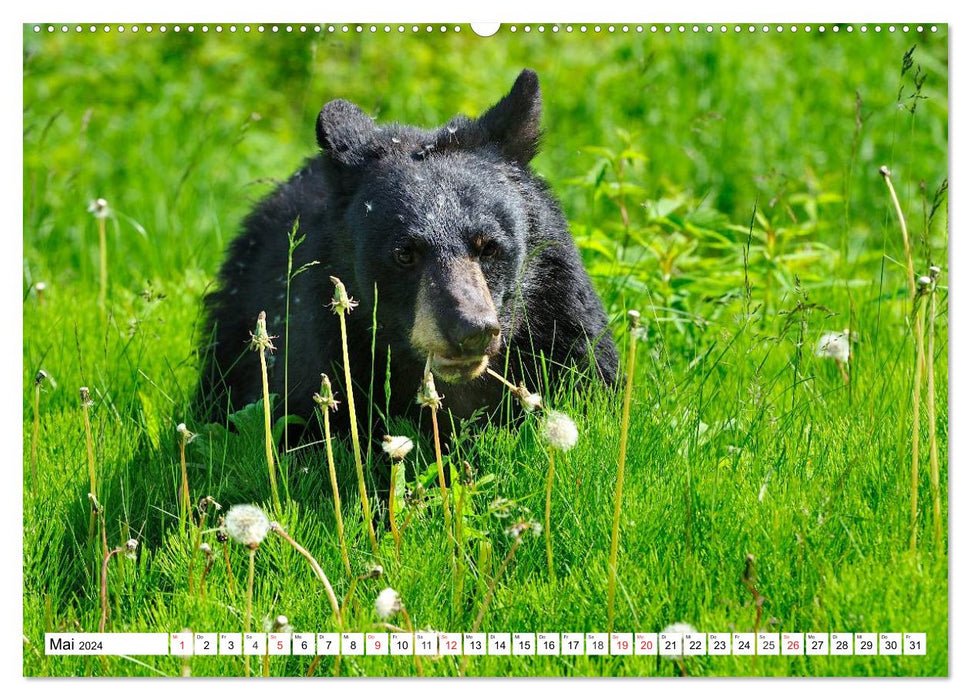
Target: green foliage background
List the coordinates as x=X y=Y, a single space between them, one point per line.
x=724 y=184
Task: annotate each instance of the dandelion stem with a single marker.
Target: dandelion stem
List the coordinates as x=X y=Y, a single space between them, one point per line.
x=392 y=498
x=458 y=572
x=633 y=318
x=268 y=432
x=337 y=497
x=355 y=439
x=918 y=361
x=229 y=570
x=35 y=436
x=249 y=603
x=278 y=529
x=89 y=445
x=932 y=422
x=103 y=248
x=509 y=385
x=549 y=502
x=488 y=596
x=441 y=470
x=185 y=498
x=104 y=587
x=414 y=649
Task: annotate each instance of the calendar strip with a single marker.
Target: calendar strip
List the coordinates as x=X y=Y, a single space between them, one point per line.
x=666 y=644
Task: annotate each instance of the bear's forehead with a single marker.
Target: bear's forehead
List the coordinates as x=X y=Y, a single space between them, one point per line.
x=453 y=187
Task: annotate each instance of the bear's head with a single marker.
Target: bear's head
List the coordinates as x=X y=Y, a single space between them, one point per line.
x=438 y=220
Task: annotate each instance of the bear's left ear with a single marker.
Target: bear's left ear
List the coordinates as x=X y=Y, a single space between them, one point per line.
x=345 y=132
x=513 y=123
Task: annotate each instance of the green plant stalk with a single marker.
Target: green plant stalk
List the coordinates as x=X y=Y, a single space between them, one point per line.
x=196 y=543
x=185 y=498
x=414 y=650
x=103 y=255
x=89 y=445
x=488 y=597
x=932 y=423
x=268 y=432
x=35 y=436
x=104 y=588
x=619 y=489
x=249 y=604
x=441 y=470
x=229 y=570
x=331 y=598
x=337 y=497
x=392 y=496
x=355 y=439
x=459 y=570
x=549 y=502
x=918 y=361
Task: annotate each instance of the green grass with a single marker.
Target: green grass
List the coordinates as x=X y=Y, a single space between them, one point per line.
x=661 y=147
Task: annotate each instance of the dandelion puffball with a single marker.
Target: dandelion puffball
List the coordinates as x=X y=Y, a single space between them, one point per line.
x=559 y=431
x=835 y=346
x=247 y=524
x=99 y=207
x=678 y=628
x=529 y=402
x=396 y=446
x=387 y=603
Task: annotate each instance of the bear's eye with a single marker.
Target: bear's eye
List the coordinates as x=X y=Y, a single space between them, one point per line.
x=404 y=256
x=489 y=250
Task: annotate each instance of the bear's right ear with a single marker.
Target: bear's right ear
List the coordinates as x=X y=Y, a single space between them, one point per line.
x=344 y=132
x=513 y=122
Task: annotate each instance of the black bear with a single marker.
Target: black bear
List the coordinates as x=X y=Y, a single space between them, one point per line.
x=463 y=249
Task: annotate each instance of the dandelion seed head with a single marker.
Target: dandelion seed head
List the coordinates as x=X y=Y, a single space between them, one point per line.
x=99 y=208
x=375 y=571
x=678 y=628
x=131 y=549
x=280 y=624
x=524 y=527
x=834 y=346
x=387 y=603
x=559 y=431
x=205 y=548
x=528 y=400
x=247 y=524
x=396 y=446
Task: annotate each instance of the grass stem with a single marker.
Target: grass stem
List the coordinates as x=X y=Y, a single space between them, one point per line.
x=918 y=360
x=315 y=565
x=632 y=326
x=342 y=305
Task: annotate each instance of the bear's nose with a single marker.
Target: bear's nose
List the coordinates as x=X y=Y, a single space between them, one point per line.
x=473 y=337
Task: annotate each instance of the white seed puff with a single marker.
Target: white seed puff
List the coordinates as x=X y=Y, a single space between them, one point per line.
x=247 y=524
x=678 y=628
x=559 y=431
x=834 y=345
x=387 y=603
x=396 y=446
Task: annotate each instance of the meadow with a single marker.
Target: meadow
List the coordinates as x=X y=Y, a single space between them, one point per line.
x=726 y=186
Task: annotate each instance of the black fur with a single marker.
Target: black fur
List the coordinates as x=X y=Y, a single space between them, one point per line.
x=372 y=192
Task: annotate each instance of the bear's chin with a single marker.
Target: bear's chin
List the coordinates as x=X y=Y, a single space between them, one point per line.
x=458 y=370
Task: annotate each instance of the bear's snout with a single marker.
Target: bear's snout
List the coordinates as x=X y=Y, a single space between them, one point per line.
x=473 y=336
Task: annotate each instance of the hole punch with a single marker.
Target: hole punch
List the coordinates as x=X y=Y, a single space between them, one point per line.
x=485 y=28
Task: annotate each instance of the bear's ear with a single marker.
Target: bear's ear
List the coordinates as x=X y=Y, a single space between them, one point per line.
x=513 y=123
x=345 y=132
